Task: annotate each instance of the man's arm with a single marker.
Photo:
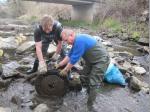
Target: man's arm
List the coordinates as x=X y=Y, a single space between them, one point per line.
x=64 y=61
x=59 y=47
x=38 y=46
x=68 y=67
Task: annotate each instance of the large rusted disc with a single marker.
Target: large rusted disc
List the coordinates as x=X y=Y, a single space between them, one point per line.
x=50 y=85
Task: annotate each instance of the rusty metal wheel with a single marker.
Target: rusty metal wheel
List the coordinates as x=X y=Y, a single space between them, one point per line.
x=50 y=85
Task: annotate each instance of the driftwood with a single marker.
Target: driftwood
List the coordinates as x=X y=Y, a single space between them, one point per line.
x=31 y=76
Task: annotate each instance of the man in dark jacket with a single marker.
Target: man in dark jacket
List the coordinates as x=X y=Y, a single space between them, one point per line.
x=46 y=32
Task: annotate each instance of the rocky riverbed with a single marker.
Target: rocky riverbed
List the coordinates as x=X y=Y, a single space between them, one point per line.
x=17 y=56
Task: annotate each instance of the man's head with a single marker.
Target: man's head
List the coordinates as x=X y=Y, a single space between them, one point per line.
x=68 y=36
x=47 y=23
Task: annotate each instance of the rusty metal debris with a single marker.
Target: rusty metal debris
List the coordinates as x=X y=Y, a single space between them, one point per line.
x=50 y=85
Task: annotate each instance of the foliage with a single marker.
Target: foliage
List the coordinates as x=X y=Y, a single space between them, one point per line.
x=81 y=24
x=135 y=35
x=112 y=24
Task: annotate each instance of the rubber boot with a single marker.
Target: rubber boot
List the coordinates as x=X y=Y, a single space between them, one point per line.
x=92 y=94
x=35 y=67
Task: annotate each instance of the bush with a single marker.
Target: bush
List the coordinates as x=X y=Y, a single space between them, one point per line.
x=136 y=35
x=112 y=24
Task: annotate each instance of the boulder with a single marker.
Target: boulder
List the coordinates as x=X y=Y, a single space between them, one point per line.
x=10 y=27
x=6 y=28
x=41 y=108
x=25 y=46
x=7 y=33
x=136 y=84
x=9 y=70
x=123 y=54
x=125 y=36
x=110 y=35
x=144 y=49
x=107 y=43
x=16 y=100
x=27 y=104
x=4 y=83
x=144 y=41
x=1 y=52
x=5 y=109
x=124 y=67
x=138 y=70
x=8 y=43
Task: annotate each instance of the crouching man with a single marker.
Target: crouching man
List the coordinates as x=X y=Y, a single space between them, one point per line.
x=95 y=55
x=48 y=31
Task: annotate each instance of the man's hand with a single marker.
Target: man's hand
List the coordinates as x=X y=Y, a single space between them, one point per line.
x=63 y=72
x=56 y=65
x=42 y=67
x=55 y=57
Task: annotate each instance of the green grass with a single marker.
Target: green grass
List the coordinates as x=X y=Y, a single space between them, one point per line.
x=80 y=24
x=109 y=23
x=33 y=18
x=112 y=24
x=135 y=35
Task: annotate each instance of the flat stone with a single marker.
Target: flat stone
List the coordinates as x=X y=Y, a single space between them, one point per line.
x=9 y=70
x=136 y=84
x=16 y=100
x=4 y=83
x=144 y=41
x=7 y=33
x=107 y=43
x=25 y=46
x=138 y=70
x=41 y=108
x=1 y=52
x=124 y=54
x=10 y=27
x=8 y=43
x=5 y=109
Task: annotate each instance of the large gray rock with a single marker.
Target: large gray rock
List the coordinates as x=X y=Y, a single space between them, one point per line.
x=4 y=83
x=8 y=43
x=124 y=67
x=25 y=46
x=123 y=54
x=6 y=33
x=4 y=109
x=12 y=42
x=144 y=49
x=41 y=108
x=9 y=27
x=138 y=70
x=138 y=85
x=144 y=41
x=107 y=43
x=9 y=70
x=16 y=100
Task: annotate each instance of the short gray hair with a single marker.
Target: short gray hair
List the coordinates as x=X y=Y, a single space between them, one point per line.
x=67 y=32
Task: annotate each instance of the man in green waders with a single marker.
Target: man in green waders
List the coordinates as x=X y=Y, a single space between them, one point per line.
x=95 y=56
